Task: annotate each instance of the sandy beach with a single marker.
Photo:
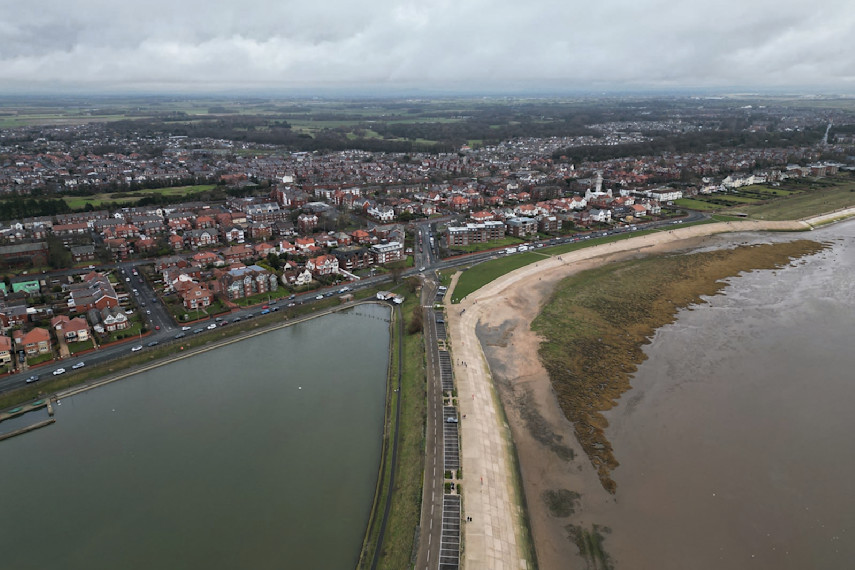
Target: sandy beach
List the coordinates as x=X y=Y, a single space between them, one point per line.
x=495 y=356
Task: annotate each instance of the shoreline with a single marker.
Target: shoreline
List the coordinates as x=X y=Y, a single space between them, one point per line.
x=498 y=318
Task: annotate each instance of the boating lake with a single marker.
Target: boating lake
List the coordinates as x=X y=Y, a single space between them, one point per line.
x=735 y=443
x=260 y=454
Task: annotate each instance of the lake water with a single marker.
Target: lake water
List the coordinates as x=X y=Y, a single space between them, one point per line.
x=261 y=454
x=735 y=443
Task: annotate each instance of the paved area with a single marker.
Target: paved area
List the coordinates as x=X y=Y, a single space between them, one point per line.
x=449 y=550
x=492 y=536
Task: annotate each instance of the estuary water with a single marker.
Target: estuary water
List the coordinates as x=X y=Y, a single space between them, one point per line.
x=262 y=454
x=735 y=444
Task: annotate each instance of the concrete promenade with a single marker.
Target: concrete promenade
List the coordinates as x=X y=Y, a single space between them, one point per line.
x=493 y=537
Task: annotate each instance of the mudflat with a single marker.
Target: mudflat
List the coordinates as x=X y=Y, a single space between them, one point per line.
x=557 y=476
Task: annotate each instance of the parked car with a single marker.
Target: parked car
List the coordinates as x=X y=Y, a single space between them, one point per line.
x=319 y=297
x=197 y=331
x=180 y=335
x=59 y=371
x=136 y=348
x=185 y=328
x=212 y=326
x=32 y=379
x=153 y=343
x=78 y=365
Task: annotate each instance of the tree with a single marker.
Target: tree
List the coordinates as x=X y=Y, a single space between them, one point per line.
x=416 y=323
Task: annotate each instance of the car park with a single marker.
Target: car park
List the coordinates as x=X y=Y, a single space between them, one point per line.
x=59 y=371
x=78 y=365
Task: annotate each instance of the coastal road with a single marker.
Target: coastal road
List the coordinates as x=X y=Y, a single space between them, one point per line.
x=432 y=490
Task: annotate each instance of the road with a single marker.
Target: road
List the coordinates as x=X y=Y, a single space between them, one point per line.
x=432 y=489
x=156 y=314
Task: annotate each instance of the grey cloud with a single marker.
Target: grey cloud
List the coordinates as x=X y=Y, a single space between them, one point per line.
x=217 y=43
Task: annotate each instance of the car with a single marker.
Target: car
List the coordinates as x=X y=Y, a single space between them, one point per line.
x=290 y=304
x=265 y=307
x=224 y=323
x=153 y=343
x=147 y=312
x=32 y=379
x=422 y=268
x=236 y=320
x=137 y=348
x=157 y=327
x=180 y=335
x=274 y=309
x=129 y=312
x=185 y=328
x=451 y=420
x=265 y=311
x=197 y=331
x=59 y=371
x=78 y=365
x=291 y=296
x=128 y=279
x=319 y=297
x=218 y=319
x=212 y=326
x=143 y=303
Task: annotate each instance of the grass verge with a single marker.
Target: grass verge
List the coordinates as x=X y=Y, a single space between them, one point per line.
x=405 y=508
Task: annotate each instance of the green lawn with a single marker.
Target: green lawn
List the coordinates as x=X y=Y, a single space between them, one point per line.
x=504 y=242
x=693 y=204
x=76 y=347
x=737 y=199
x=479 y=275
x=102 y=199
x=805 y=204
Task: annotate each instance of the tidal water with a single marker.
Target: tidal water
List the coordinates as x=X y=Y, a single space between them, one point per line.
x=262 y=454
x=736 y=442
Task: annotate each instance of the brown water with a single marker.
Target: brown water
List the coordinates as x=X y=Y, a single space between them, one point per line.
x=736 y=442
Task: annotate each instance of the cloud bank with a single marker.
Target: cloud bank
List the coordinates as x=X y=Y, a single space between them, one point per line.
x=617 y=44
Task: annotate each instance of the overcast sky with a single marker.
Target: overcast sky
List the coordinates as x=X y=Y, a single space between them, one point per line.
x=209 y=45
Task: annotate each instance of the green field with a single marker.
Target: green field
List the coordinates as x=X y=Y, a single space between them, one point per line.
x=104 y=199
x=504 y=242
x=693 y=204
x=805 y=204
x=479 y=275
